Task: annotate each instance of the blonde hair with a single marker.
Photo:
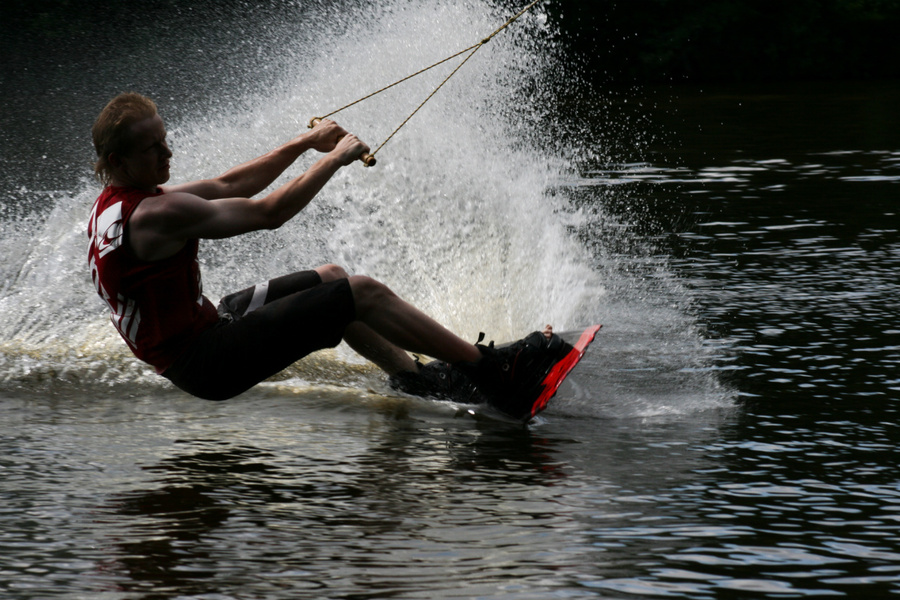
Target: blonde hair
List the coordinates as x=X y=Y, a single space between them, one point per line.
x=111 y=129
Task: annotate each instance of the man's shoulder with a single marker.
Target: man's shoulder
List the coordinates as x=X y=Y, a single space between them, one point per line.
x=166 y=204
x=161 y=225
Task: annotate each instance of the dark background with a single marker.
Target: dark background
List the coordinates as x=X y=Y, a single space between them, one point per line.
x=644 y=41
x=734 y=40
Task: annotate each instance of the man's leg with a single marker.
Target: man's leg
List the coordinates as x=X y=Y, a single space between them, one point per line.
x=358 y=335
x=403 y=326
x=249 y=344
x=365 y=341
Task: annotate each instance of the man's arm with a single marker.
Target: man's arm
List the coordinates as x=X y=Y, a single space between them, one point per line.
x=161 y=225
x=252 y=177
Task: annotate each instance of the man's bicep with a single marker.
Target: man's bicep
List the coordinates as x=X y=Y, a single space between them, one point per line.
x=160 y=226
x=215 y=219
x=209 y=189
x=180 y=216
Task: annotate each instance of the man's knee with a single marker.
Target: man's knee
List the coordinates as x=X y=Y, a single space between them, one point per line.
x=331 y=272
x=368 y=293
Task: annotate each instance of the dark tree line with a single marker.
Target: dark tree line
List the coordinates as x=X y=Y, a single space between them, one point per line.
x=733 y=40
x=617 y=40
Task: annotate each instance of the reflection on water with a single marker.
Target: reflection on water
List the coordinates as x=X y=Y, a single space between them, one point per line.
x=283 y=498
x=803 y=269
x=792 y=250
x=280 y=498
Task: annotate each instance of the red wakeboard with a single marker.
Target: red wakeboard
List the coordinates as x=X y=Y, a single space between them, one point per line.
x=558 y=373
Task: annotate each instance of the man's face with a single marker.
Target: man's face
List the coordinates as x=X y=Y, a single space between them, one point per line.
x=146 y=164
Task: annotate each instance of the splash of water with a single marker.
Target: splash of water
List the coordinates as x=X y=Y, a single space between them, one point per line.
x=462 y=216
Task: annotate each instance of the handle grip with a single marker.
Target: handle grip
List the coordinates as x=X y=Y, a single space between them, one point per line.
x=366 y=158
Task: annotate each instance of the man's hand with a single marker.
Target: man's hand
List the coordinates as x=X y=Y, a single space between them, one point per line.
x=349 y=149
x=325 y=135
x=328 y=136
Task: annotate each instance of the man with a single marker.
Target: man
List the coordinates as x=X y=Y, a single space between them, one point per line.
x=143 y=259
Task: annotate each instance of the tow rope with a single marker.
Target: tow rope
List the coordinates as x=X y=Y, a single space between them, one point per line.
x=369 y=159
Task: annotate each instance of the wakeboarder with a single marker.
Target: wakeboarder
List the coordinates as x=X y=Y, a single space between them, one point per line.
x=144 y=239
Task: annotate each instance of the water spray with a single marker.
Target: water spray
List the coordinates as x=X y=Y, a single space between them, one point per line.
x=368 y=159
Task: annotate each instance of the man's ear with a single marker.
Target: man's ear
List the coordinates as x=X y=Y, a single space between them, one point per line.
x=114 y=160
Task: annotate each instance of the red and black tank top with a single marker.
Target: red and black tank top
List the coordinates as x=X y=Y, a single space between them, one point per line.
x=157 y=306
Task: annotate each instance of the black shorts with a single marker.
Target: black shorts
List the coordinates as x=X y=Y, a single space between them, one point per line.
x=263 y=330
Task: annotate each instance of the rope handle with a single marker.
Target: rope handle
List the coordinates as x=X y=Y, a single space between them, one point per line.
x=366 y=158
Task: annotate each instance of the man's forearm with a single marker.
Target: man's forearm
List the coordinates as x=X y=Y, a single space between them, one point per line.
x=292 y=197
x=252 y=177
